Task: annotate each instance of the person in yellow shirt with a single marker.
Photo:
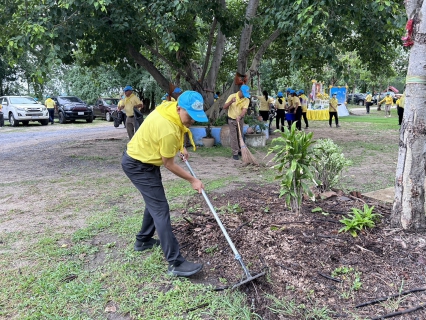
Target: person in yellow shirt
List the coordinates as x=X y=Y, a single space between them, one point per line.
x=400 y=105
x=388 y=103
x=304 y=104
x=265 y=105
x=156 y=143
x=237 y=105
x=127 y=104
x=280 y=107
x=297 y=109
x=50 y=104
x=332 y=110
x=175 y=94
x=368 y=102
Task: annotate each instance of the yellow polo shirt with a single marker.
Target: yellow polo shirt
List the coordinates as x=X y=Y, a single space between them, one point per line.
x=304 y=102
x=264 y=104
x=49 y=103
x=334 y=103
x=296 y=101
x=387 y=100
x=157 y=137
x=129 y=103
x=368 y=98
x=236 y=107
x=278 y=105
x=402 y=101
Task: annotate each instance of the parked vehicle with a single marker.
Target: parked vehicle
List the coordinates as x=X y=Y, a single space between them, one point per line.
x=71 y=108
x=104 y=107
x=356 y=98
x=23 y=109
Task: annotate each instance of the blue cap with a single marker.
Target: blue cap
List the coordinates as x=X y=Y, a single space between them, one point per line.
x=245 y=90
x=216 y=96
x=292 y=91
x=193 y=103
x=128 y=88
x=288 y=90
x=301 y=91
x=368 y=92
x=280 y=94
x=165 y=96
x=47 y=97
x=177 y=90
x=387 y=93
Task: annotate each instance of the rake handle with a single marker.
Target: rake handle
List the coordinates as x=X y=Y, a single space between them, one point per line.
x=225 y=233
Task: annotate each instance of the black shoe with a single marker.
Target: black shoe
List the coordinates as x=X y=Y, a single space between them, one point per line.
x=236 y=157
x=330 y=125
x=337 y=126
x=142 y=246
x=239 y=153
x=185 y=269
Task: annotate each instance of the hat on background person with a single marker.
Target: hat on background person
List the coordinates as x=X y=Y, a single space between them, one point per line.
x=280 y=94
x=368 y=92
x=245 y=89
x=193 y=103
x=128 y=88
x=292 y=91
x=288 y=90
x=47 y=97
x=165 y=96
x=387 y=93
x=216 y=96
x=177 y=90
x=301 y=91
x=334 y=94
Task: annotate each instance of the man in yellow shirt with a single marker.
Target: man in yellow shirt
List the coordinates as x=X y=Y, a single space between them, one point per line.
x=332 y=110
x=388 y=103
x=127 y=104
x=51 y=106
x=237 y=105
x=304 y=103
x=280 y=107
x=156 y=143
x=368 y=102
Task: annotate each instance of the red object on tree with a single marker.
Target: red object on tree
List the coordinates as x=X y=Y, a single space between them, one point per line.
x=408 y=41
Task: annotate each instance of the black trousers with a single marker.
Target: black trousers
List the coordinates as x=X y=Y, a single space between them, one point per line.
x=367 y=106
x=264 y=115
x=336 y=118
x=280 y=118
x=400 y=114
x=147 y=179
x=299 y=118
x=305 y=118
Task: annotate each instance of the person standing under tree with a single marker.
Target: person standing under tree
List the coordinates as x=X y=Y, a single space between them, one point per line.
x=388 y=103
x=156 y=143
x=128 y=103
x=280 y=107
x=368 y=102
x=304 y=103
x=332 y=110
x=51 y=106
x=297 y=109
x=265 y=105
x=237 y=105
x=400 y=104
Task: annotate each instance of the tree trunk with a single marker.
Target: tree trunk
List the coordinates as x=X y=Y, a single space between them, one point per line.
x=408 y=210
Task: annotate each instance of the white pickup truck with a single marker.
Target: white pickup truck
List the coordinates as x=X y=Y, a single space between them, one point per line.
x=23 y=109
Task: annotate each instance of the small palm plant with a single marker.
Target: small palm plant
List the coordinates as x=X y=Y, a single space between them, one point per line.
x=294 y=158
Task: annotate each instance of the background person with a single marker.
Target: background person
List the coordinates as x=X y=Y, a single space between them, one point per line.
x=332 y=110
x=388 y=103
x=297 y=109
x=265 y=105
x=304 y=104
x=237 y=105
x=400 y=104
x=127 y=104
x=368 y=102
x=155 y=144
x=280 y=107
x=50 y=104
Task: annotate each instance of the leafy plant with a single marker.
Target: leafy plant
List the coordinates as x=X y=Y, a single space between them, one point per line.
x=222 y=120
x=360 y=219
x=329 y=164
x=293 y=156
x=209 y=131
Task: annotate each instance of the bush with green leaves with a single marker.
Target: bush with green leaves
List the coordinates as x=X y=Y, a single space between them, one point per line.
x=359 y=219
x=329 y=164
x=293 y=155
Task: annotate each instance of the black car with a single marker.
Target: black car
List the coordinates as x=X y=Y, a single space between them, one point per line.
x=104 y=107
x=71 y=108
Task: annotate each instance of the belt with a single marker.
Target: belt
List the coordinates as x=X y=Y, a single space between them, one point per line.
x=130 y=116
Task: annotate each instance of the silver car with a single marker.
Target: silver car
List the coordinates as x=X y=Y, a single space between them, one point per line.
x=23 y=109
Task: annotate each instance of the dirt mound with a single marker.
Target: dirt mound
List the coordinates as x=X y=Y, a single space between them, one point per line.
x=306 y=259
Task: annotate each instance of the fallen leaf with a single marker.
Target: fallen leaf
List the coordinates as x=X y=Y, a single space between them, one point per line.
x=111 y=309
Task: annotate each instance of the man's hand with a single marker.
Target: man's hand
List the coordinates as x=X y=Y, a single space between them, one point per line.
x=197 y=185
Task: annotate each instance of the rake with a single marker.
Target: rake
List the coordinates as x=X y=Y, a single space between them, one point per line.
x=245 y=152
x=249 y=277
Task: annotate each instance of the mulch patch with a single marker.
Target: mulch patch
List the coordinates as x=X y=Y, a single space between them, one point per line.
x=300 y=252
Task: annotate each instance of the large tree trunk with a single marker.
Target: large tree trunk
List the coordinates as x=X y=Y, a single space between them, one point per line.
x=408 y=208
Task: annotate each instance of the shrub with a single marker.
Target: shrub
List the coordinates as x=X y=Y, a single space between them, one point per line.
x=329 y=164
x=359 y=220
x=293 y=156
